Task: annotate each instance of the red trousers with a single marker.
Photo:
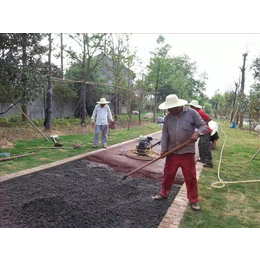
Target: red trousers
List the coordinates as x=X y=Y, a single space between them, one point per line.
x=187 y=164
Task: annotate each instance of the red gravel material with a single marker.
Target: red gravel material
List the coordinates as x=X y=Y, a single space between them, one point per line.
x=116 y=159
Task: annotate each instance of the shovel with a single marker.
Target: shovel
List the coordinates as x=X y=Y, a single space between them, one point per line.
x=54 y=137
x=155 y=160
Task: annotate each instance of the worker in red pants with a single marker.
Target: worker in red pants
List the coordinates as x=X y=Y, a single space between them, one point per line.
x=180 y=124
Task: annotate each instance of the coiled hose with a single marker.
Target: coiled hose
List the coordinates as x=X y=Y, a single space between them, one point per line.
x=221 y=184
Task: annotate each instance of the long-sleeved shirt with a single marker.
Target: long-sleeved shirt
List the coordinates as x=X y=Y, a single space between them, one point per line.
x=205 y=117
x=177 y=130
x=102 y=113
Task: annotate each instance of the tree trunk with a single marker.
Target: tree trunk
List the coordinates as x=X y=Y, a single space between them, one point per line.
x=155 y=106
x=48 y=111
x=242 y=89
x=83 y=105
x=83 y=86
x=25 y=110
x=129 y=108
x=115 y=109
x=24 y=62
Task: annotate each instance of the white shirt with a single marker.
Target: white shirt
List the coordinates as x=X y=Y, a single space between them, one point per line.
x=102 y=113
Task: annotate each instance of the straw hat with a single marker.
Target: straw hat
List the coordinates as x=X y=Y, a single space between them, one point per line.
x=195 y=103
x=172 y=101
x=103 y=101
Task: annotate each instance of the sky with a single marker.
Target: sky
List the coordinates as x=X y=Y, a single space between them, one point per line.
x=219 y=55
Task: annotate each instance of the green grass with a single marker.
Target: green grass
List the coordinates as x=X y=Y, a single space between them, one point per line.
x=235 y=205
x=45 y=156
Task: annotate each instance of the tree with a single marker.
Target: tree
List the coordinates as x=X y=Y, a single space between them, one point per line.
x=158 y=69
x=182 y=78
x=90 y=45
x=114 y=68
x=21 y=66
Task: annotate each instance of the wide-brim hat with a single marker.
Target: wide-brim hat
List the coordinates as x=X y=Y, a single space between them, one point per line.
x=195 y=103
x=103 y=101
x=172 y=101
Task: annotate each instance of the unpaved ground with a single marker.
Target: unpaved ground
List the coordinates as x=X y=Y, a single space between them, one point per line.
x=12 y=134
x=80 y=194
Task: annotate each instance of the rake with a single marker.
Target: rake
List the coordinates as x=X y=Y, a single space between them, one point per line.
x=120 y=181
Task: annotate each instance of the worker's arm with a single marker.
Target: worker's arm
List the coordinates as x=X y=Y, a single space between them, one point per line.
x=109 y=114
x=94 y=115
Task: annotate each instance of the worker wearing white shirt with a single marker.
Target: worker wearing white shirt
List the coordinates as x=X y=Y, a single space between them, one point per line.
x=101 y=112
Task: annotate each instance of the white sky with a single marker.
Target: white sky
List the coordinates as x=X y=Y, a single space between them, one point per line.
x=220 y=55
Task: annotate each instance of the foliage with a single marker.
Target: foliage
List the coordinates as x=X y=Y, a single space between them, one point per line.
x=254 y=102
x=11 y=121
x=182 y=78
x=256 y=69
x=173 y=75
x=93 y=93
x=21 y=67
x=207 y=108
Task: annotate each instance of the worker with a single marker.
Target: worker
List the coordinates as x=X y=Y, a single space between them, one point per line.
x=101 y=112
x=179 y=126
x=204 y=142
x=214 y=134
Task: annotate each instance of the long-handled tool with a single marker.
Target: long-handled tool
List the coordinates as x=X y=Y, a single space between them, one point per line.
x=14 y=157
x=155 y=160
x=31 y=122
x=72 y=147
x=54 y=137
x=255 y=155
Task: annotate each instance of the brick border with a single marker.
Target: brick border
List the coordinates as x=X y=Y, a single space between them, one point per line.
x=57 y=163
x=175 y=213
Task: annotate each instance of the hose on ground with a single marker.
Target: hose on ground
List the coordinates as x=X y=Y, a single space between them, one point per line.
x=221 y=184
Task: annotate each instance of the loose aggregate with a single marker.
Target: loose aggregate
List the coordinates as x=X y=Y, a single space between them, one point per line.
x=81 y=194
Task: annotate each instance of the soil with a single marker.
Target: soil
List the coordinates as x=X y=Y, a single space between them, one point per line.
x=81 y=194
x=12 y=134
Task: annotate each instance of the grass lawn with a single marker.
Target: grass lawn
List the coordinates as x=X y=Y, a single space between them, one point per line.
x=235 y=205
x=45 y=156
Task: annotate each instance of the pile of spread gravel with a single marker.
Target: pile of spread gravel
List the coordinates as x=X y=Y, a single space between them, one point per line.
x=81 y=194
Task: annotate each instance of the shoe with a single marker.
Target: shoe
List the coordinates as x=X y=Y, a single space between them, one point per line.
x=208 y=165
x=104 y=146
x=201 y=161
x=94 y=146
x=159 y=197
x=195 y=206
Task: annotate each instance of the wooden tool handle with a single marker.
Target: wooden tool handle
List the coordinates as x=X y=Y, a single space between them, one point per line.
x=171 y=151
x=13 y=157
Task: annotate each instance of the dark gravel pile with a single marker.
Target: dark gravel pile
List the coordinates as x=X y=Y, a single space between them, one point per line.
x=80 y=194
